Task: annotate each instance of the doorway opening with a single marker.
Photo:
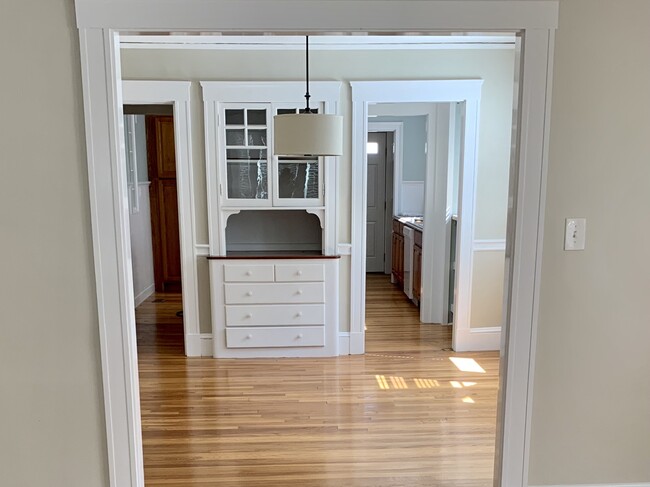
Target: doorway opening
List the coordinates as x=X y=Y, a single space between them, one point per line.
x=99 y=83
x=154 y=219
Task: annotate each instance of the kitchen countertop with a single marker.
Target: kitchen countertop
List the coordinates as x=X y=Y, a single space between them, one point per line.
x=415 y=222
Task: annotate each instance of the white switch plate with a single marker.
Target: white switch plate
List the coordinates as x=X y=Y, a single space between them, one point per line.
x=575 y=233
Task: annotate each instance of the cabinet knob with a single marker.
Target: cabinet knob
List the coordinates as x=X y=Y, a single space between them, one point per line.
x=249 y=336
x=249 y=293
x=299 y=273
x=249 y=273
x=248 y=315
x=299 y=335
x=298 y=314
x=299 y=291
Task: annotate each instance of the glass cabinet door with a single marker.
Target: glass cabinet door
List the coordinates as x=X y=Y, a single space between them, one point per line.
x=246 y=154
x=298 y=179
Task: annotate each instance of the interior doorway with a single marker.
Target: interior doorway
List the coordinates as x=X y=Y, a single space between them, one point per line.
x=153 y=217
x=381 y=150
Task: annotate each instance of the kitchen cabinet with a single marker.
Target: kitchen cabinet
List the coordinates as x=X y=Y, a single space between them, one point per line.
x=397 y=268
x=417 y=267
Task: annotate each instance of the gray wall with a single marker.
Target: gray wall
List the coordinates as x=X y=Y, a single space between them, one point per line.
x=51 y=402
x=414 y=141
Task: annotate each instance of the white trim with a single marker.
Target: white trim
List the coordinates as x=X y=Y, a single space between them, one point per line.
x=111 y=249
x=344 y=343
x=641 y=484
x=478 y=339
x=201 y=250
x=484 y=245
x=344 y=249
x=141 y=298
x=357 y=342
x=100 y=69
x=318 y=43
x=301 y=16
x=200 y=344
x=178 y=94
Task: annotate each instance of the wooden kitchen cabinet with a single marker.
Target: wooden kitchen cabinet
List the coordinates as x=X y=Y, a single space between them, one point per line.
x=417 y=267
x=397 y=267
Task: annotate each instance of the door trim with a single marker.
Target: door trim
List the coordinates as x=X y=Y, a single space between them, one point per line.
x=178 y=94
x=100 y=23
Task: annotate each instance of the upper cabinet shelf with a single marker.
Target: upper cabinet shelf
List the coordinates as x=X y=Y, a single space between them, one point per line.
x=243 y=173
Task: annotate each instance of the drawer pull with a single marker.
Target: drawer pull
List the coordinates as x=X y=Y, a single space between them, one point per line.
x=299 y=336
x=249 y=293
x=299 y=273
x=299 y=292
x=249 y=336
x=248 y=316
x=249 y=273
x=298 y=314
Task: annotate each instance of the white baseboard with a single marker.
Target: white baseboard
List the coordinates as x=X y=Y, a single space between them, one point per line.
x=477 y=339
x=344 y=343
x=198 y=345
x=643 y=484
x=148 y=291
x=357 y=343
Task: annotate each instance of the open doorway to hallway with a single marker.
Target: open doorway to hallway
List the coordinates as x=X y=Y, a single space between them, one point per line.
x=153 y=219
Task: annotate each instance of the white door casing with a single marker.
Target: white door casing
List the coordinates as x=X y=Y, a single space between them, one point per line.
x=100 y=21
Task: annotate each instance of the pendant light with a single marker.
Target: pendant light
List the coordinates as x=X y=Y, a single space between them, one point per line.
x=308 y=133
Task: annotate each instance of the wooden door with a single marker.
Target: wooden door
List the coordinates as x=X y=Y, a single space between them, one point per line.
x=161 y=160
x=375 y=221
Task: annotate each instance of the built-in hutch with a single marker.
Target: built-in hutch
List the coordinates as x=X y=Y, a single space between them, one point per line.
x=273 y=266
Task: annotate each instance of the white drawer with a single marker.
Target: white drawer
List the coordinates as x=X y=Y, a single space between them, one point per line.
x=299 y=272
x=273 y=314
x=245 y=273
x=275 y=293
x=295 y=336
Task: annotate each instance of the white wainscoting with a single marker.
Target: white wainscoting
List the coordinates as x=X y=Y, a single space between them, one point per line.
x=483 y=338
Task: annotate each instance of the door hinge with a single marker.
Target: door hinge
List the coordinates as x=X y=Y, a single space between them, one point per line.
x=220 y=190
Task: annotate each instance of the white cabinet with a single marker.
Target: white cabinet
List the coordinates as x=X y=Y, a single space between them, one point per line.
x=274 y=307
x=243 y=175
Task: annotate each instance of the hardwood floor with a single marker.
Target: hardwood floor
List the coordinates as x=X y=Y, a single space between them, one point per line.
x=400 y=415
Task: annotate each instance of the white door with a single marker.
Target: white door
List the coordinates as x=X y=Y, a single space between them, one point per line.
x=375 y=226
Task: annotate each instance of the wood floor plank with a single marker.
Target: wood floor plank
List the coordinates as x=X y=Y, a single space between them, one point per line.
x=400 y=415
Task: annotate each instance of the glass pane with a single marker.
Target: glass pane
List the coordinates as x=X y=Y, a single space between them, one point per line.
x=284 y=111
x=298 y=179
x=247 y=180
x=256 y=117
x=235 y=117
x=257 y=137
x=235 y=137
x=372 y=148
x=246 y=154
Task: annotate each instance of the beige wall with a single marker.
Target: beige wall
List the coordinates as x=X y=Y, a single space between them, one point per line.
x=495 y=67
x=591 y=417
x=52 y=431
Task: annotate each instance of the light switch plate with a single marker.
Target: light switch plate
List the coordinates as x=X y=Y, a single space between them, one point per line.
x=575 y=233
